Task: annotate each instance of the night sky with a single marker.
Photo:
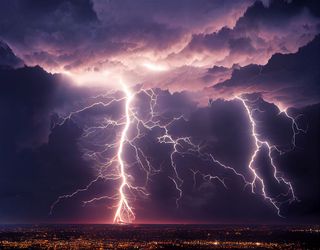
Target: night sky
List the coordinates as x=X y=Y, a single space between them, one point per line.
x=224 y=121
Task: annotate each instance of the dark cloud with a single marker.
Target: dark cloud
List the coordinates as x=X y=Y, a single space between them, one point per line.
x=8 y=58
x=32 y=178
x=257 y=34
x=187 y=14
x=68 y=33
x=82 y=36
x=286 y=78
x=215 y=41
x=241 y=45
x=304 y=160
x=36 y=167
x=50 y=19
x=259 y=15
x=32 y=95
x=217 y=74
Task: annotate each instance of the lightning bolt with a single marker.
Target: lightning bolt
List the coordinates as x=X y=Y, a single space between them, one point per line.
x=134 y=126
x=259 y=143
x=124 y=213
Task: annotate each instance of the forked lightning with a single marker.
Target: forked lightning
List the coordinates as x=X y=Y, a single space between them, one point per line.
x=132 y=126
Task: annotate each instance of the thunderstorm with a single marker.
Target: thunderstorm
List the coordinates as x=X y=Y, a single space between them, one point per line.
x=179 y=146
x=185 y=124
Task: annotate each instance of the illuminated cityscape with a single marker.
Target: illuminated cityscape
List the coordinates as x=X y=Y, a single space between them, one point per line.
x=158 y=237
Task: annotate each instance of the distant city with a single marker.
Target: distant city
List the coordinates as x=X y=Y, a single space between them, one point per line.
x=158 y=237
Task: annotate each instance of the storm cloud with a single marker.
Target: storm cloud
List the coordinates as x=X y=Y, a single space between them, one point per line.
x=192 y=60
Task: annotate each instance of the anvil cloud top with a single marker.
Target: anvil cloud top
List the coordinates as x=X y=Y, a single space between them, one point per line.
x=159 y=111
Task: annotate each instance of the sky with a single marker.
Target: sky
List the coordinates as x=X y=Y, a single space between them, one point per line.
x=194 y=111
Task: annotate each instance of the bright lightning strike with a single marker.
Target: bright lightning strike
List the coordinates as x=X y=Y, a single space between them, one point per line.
x=258 y=146
x=133 y=126
x=124 y=213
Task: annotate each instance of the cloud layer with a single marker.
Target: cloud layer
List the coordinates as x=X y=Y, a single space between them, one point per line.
x=122 y=37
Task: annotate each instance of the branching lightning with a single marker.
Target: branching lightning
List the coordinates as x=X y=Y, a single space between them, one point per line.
x=112 y=164
x=124 y=212
x=270 y=148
